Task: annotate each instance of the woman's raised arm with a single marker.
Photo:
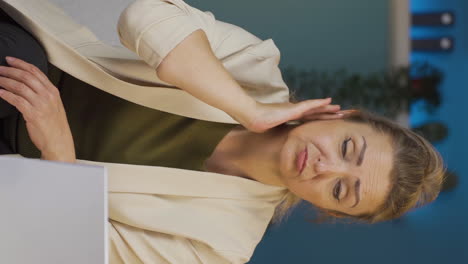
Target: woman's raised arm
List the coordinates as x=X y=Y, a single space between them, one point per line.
x=193 y=67
x=178 y=41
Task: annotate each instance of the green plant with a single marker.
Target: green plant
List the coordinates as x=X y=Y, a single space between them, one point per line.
x=425 y=80
x=387 y=92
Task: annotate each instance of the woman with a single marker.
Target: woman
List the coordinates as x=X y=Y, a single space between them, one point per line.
x=360 y=166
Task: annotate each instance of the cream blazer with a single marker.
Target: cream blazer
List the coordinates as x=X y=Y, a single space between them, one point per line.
x=159 y=214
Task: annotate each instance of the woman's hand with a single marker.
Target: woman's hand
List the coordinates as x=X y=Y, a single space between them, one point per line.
x=31 y=92
x=266 y=116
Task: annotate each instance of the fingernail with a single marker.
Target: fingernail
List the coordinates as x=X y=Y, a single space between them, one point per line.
x=9 y=59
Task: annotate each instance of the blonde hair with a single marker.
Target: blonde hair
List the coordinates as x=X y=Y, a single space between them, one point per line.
x=416 y=177
x=285 y=207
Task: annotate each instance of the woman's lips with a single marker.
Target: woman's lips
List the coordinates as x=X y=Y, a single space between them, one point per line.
x=301 y=160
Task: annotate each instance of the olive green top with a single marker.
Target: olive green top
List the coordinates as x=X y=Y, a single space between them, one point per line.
x=110 y=129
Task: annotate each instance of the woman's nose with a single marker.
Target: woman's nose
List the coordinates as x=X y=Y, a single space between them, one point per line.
x=323 y=166
x=320 y=167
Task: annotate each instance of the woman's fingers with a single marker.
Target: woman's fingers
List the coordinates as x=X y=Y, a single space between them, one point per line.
x=325 y=109
x=297 y=110
x=326 y=116
x=21 y=64
x=19 y=89
x=27 y=81
x=17 y=101
x=24 y=77
x=330 y=109
x=268 y=115
x=30 y=91
x=312 y=104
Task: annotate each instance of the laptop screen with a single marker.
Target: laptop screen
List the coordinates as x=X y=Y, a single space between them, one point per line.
x=52 y=212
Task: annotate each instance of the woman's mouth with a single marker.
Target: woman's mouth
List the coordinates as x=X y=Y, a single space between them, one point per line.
x=301 y=160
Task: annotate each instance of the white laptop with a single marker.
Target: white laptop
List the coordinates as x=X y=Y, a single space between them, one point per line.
x=52 y=212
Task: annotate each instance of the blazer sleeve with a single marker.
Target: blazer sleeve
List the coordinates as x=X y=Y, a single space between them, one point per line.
x=152 y=28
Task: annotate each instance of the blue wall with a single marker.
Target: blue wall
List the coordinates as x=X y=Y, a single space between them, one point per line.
x=353 y=34
x=323 y=34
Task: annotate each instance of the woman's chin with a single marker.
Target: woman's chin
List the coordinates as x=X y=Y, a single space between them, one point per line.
x=288 y=160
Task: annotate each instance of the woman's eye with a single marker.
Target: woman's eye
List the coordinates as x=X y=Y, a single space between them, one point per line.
x=344 y=147
x=337 y=190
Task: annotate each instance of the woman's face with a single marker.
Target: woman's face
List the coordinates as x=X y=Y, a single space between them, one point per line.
x=347 y=165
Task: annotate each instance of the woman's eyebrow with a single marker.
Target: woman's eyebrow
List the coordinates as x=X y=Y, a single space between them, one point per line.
x=356 y=192
x=359 y=162
x=363 y=151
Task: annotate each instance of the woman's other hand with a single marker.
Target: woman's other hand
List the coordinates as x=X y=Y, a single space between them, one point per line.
x=30 y=91
x=266 y=116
